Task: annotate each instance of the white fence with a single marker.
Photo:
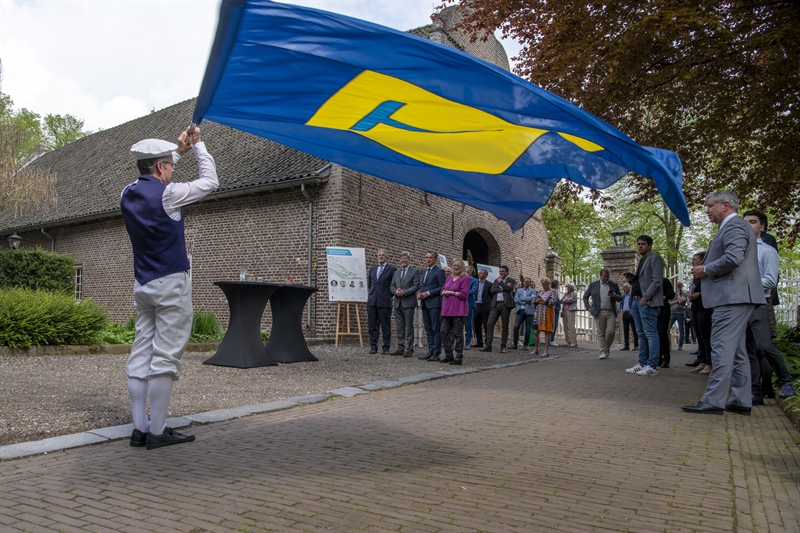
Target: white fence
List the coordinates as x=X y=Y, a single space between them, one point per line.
x=786 y=312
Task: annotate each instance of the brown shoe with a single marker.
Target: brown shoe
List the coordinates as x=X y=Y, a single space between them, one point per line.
x=485 y=349
x=408 y=354
x=696 y=370
x=397 y=352
x=705 y=371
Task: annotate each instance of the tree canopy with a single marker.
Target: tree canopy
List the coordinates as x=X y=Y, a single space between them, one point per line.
x=716 y=81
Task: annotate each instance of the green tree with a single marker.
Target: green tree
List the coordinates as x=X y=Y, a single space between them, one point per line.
x=60 y=130
x=577 y=234
x=716 y=81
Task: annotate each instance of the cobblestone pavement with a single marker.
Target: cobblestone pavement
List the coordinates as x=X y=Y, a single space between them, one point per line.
x=571 y=444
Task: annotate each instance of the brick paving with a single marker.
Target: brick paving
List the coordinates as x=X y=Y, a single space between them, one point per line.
x=572 y=444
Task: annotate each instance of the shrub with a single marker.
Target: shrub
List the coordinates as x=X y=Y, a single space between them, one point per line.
x=29 y=318
x=205 y=328
x=37 y=269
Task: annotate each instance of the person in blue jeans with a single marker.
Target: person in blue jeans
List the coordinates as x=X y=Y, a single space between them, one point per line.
x=648 y=297
x=473 y=290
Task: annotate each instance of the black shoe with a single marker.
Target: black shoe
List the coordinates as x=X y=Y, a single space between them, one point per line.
x=694 y=353
x=636 y=347
x=138 y=438
x=624 y=349
x=446 y=360
x=168 y=438
x=693 y=363
x=433 y=359
x=664 y=365
x=738 y=409
x=373 y=351
x=758 y=401
x=424 y=356
x=385 y=352
x=703 y=409
x=769 y=394
x=455 y=362
x=479 y=345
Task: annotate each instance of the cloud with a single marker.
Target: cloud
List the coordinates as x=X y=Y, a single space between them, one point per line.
x=110 y=62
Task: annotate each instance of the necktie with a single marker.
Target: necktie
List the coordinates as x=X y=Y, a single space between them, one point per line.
x=380 y=270
x=426 y=275
x=403 y=276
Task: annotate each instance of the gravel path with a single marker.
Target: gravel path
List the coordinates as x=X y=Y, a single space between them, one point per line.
x=47 y=396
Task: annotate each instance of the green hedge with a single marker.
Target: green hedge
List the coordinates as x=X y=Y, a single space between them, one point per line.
x=29 y=318
x=37 y=269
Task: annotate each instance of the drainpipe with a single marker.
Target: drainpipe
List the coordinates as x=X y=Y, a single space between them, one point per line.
x=310 y=242
x=52 y=241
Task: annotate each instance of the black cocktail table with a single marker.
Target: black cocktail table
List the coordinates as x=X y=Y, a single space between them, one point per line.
x=242 y=346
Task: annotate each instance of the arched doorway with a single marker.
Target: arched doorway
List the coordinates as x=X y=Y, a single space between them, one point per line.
x=482 y=246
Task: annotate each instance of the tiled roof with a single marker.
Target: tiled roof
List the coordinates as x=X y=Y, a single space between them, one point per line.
x=92 y=171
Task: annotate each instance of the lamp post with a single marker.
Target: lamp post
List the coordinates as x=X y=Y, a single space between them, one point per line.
x=620 y=237
x=14 y=241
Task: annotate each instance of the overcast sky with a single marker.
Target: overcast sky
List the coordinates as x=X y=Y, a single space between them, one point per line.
x=110 y=61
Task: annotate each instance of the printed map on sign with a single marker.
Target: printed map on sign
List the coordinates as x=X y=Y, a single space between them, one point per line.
x=347 y=275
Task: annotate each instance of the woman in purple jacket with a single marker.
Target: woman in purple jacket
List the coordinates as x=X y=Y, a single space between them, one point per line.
x=454 y=310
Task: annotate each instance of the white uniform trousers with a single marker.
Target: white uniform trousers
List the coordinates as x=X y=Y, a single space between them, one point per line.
x=163 y=326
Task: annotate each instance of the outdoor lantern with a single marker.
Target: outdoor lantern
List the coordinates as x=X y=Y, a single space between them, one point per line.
x=14 y=241
x=620 y=237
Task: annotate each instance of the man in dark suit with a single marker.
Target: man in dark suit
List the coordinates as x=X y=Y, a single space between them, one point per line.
x=432 y=280
x=404 y=287
x=483 y=304
x=502 y=291
x=732 y=287
x=379 y=303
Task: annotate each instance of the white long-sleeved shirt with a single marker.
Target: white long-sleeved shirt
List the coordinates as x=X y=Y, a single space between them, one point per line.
x=177 y=195
x=768 y=264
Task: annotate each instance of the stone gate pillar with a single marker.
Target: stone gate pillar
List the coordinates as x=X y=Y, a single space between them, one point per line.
x=619 y=259
x=552 y=265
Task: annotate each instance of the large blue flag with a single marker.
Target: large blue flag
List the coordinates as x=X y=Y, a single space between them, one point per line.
x=412 y=111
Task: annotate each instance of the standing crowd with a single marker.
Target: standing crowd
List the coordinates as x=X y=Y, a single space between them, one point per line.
x=448 y=307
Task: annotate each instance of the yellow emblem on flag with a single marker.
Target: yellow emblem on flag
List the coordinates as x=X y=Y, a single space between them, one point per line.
x=426 y=127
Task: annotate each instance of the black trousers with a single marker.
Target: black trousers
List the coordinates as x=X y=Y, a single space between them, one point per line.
x=702 y=325
x=662 y=325
x=627 y=321
x=379 y=317
x=759 y=341
x=479 y=319
x=453 y=337
x=498 y=311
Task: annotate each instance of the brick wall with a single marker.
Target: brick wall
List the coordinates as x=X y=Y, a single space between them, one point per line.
x=269 y=232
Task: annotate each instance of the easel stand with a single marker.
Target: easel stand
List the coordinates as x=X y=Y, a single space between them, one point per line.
x=343 y=330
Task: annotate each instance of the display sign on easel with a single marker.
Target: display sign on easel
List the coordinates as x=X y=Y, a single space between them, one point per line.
x=347 y=274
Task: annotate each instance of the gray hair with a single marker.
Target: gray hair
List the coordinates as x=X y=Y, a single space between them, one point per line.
x=555 y=283
x=721 y=197
x=407 y=254
x=568 y=285
x=381 y=250
x=626 y=284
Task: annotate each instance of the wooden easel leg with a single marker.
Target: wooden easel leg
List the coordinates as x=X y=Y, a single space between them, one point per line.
x=358 y=321
x=338 y=308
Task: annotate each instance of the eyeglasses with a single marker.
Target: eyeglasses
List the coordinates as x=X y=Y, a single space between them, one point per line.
x=168 y=163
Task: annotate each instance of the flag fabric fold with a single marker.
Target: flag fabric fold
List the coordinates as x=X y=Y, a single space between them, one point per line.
x=412 y=111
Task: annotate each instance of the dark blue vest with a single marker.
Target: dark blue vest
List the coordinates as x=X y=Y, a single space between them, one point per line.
x=159 y=246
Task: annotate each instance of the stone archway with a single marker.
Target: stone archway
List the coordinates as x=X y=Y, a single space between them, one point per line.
x=483 y=247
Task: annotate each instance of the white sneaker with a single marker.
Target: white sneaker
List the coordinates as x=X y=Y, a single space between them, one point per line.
x=519 y=343
x=634 y=369
x=647 y=371
x=553 y=343
x=603 y=355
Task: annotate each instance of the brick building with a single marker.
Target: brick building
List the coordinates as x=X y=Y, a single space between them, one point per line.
x=259 y=216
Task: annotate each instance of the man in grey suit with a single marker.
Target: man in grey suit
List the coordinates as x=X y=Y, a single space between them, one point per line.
x=648 y=299
x=404 y=287
x=502 y=291
x=732 y=287
x=604 y=294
